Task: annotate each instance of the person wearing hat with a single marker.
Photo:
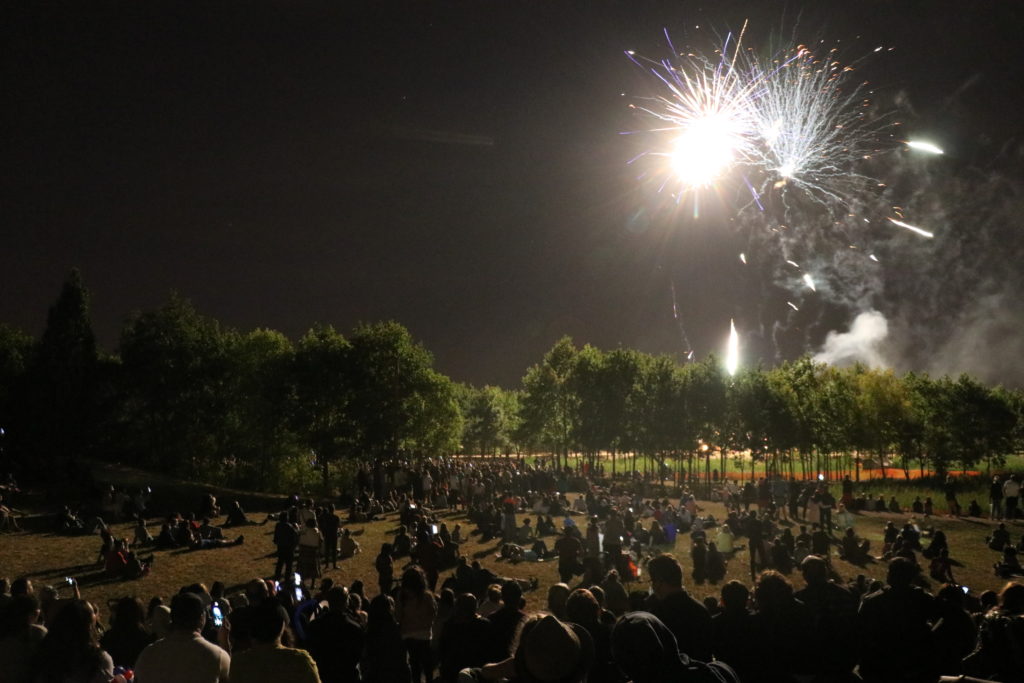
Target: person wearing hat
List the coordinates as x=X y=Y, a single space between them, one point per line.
x=184 y=656
x=645 y=651
x=549 y=651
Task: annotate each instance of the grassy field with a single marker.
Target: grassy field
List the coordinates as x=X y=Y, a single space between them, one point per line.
x=47 y=559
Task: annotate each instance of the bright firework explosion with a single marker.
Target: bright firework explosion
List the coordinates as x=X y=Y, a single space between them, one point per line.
x=797 y=127
x=706 y=115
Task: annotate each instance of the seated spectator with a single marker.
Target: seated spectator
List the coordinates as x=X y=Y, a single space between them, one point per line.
x=548 y=650
x=116 y=560
x=347 y=546
x=7 y=517
x=71 y=649
x=184 y=655
x=68 y=522
x=1009 y=566
x=492 y=602
x=715 y=563
x=1000 y=637
x=557 y=596
x=937 y=545
x=142 y=535
x=268 y=659
x=853 y=549
x=208 y=506
x=644 y=649
x=917 y=507
x=166 y=539
x=20 y=637
x=208 y=531
x=941 y=567
x=1000 y=538
x=465 y=639
x=724 y=539
x=127 y=636
x=386 y=659
x=973 y=509
x=236 y=516
x=894 y=505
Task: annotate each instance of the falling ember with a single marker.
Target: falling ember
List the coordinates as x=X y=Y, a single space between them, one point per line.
x=793 y=263
x=873 y=258
x=809 y=281
x=743 y=258
x=792 y=305
x=732 y=353
x=923 y=146
x=912 y=228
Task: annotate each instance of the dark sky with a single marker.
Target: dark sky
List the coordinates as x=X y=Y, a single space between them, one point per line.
x=455 y=166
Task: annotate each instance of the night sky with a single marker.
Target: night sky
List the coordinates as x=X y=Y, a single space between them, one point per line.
x=455 y=166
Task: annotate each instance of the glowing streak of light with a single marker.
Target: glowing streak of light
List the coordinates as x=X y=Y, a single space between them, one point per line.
x=923 y=146
x=809 y=281
x=732 y=354
x=743 y=258
x=873 y=258
x=912 y=228
x=792 y=305
x=793 y=263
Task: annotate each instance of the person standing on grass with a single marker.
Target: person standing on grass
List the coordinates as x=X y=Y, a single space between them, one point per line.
x=329 y=526
x=1011 y=494
x=416 y=611
x=286 y=538
x=184 y=656
x=995 y=499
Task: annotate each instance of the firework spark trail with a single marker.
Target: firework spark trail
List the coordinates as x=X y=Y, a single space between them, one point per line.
x=912 y=228
x=814 y=127
x=688 y=350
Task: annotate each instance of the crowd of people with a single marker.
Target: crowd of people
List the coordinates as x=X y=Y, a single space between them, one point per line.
x=621 y=611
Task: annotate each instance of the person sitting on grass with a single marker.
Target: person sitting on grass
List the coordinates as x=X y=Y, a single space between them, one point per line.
x=69 y=523
x=142 y=535
x=207 y=530
x=7 y=519
x=236 y=516
x=973 y=509
x=941 y=567
x=937 y=545
x=348 y=547
x=1009 y=566
x=1000 y=538
x=894 y=505
x=166 y=540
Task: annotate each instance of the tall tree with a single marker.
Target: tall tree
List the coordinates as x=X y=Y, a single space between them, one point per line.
x=176 y=373
x=548 y=403
x=323 y=397
x=63 y=378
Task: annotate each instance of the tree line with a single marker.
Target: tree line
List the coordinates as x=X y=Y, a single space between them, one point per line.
x=186 y=396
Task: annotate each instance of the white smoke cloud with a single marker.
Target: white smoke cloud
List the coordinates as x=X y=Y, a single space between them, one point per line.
x=859 y=345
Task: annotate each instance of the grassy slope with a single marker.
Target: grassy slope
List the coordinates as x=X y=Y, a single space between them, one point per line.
x=47 y=559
